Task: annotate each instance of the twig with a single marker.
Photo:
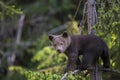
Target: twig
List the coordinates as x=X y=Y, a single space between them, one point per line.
x=84 y=12
x=110 y=70
x=65 y=76
x=82 y=23
x=104 y=70
x=77 y=9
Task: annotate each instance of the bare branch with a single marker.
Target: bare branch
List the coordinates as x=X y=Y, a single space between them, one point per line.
x=77 y=9
x=20 y=26
x=110 y=70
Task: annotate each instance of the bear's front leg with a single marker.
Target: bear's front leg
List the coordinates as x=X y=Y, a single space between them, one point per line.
x=72 y=59
x=72 y=62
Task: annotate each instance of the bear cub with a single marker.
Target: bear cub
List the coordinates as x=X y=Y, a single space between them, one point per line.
x=91 y=47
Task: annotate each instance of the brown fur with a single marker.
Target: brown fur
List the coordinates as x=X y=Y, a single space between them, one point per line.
x=90 y=46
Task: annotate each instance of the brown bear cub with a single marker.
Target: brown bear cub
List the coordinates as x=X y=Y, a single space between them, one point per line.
x=90 y=46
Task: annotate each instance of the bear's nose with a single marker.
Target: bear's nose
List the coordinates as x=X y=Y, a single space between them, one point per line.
x=59 y=50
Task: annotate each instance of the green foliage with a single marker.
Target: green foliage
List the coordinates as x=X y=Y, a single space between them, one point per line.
x=34 y=75
x=48 y=57
x=42 y=41
x=66 y=4
x=37 y=75
x=108 y=27
x=50 y=6
x=10 y=10
x=72 y=27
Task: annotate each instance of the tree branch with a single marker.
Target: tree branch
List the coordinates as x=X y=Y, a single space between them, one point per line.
x=20 y=26
x=110 y=70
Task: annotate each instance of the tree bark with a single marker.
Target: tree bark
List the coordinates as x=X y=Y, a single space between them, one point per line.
x=91 y=16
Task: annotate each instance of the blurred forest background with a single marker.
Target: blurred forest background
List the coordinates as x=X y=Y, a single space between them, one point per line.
x=25 y=52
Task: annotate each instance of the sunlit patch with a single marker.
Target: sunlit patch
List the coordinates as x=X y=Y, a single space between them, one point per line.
x=112 y=63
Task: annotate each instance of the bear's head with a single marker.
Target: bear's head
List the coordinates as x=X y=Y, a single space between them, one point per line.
x=60 y=42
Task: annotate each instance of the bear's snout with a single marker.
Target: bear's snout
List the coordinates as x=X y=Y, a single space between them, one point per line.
x=58 y=50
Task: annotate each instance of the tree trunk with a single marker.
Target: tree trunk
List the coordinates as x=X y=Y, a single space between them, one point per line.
x=91 y=16
x=96 y=73
x=2 y=23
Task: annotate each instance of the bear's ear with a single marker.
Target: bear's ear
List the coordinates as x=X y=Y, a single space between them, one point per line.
x=65 y=34
x=51 y=37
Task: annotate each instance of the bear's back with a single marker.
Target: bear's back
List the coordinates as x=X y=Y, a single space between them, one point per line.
x=88 y=43
x=86 y=39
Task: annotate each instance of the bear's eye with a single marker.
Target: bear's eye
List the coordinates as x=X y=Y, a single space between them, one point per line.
x=54 y=45
x=61 y=43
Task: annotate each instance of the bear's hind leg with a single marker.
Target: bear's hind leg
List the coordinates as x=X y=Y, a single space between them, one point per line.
x=87 y=61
